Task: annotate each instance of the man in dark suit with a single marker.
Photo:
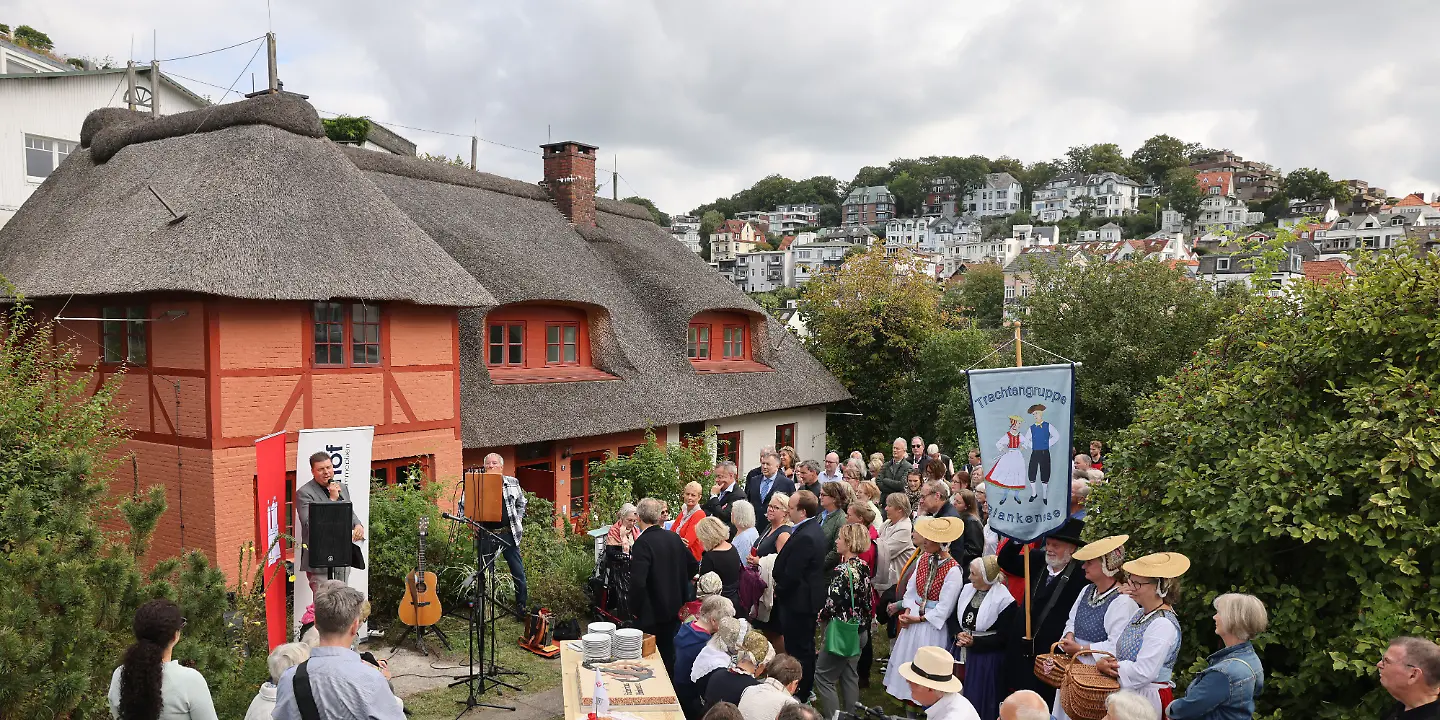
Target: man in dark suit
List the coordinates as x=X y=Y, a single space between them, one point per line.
x=660 y=568
x=764 y=481
x=723 y=493
x=1055 y=581
x=800 y=586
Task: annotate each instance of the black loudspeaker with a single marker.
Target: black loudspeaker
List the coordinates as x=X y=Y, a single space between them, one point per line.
x=330 y=530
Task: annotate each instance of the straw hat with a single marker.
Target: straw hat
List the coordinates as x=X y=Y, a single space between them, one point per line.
x=934 y=668
x=1159 y=565
x=1100 y=547
x=940 y=529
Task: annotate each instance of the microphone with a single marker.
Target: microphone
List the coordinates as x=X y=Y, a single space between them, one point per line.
x=448 y=516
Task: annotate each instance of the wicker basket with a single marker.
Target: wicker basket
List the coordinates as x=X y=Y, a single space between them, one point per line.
x=1085 y=689
x=1050 y=667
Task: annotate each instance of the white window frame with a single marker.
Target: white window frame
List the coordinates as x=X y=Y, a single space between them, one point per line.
x=54 y=154
x=1222 y=263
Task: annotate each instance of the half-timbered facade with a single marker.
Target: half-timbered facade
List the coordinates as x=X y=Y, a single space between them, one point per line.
x=244 y=276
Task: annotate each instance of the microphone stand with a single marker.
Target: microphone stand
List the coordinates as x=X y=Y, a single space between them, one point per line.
x=482 y=616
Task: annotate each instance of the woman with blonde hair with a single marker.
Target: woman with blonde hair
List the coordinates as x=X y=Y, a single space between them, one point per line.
x=720 y=558
x=848 y=600
x=769 y=546
x=788 y=461
x=690 y=516
x=870 y=493
x=1228 y=687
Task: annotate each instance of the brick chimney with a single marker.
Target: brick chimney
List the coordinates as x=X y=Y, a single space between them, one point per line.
x=570 y=178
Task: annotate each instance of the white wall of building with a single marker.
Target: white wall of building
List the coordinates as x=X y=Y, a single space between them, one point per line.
x=758 y=430
x=53 y=108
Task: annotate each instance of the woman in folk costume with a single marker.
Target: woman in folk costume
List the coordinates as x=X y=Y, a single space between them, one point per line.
x=1009 y=472
x=983 y=608
x=1102 y=611
x=1145 y=651
x=929 y=599
x=690 y=516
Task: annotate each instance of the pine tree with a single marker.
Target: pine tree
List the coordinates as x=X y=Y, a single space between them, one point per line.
x=68 y=589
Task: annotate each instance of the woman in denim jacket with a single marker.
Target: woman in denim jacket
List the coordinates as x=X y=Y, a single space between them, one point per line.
x=1227 y=689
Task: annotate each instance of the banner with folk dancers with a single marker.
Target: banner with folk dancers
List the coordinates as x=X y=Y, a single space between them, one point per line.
x=1023 y=418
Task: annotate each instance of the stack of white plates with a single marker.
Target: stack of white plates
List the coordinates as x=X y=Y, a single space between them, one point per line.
x=628 y=643
x=603 y=628
x=597 y=646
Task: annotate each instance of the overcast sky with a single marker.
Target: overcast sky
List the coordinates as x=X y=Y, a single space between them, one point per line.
x=700 y=100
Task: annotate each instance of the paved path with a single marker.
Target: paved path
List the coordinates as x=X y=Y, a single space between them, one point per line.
x=413 y=673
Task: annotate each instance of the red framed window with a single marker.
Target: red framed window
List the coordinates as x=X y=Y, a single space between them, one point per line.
x=364 y=334
x=123 y=335
x=785 y=435
x=727 y=447
x=403 y=471
x=734 y=342
x=337 y=325
x=562 y=344
x=698 y=347
x=580 y=470
x=507 y=344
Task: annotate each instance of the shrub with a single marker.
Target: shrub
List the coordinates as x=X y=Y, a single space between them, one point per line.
x=558 y=563
x=653 y=470
x=395 y=512
x=347 y=129
x=1295 y=458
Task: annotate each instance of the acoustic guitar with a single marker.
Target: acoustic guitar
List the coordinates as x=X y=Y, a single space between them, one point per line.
x=421 y=605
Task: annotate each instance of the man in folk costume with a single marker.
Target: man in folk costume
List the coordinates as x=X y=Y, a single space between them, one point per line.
x=690 y=516
x=1102 y=611
x=1040 y=437
x=932 y=682
x=929 y=599
x=1055 y=582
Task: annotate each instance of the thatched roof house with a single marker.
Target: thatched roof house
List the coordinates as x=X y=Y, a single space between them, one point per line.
x=533 y=320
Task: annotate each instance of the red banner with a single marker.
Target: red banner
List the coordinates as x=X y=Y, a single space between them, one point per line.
x=270 y=524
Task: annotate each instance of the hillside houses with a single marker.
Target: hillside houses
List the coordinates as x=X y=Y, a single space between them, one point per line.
x=1105 y=194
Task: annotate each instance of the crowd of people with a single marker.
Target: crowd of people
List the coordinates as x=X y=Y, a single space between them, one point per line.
x=765 y=600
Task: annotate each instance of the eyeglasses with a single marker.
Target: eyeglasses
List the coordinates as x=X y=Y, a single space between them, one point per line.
x=1133 y=581
x=917 y=447
x=1387 y=661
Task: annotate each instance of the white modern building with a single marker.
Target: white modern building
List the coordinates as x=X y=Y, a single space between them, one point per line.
x=808 y=259
x=789 y=219
x=688 y=236
x=1373 y=231
x=1104 y=194
x=998 y=195
x=42 y=105
x=764 y=271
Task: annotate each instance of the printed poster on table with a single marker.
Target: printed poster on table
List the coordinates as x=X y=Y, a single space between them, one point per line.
x=1023 y=418
x=349 y=450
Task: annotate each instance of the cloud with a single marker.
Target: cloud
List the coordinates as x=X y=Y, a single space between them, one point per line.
x=699 y=100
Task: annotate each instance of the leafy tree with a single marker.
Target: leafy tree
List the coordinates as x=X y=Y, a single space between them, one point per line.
x=1103 y=157
x=27 y=36
x=1183 y=193
x=1297 y=458
x=1157 y=157
x=819 y=190
x=347 y=129
x=980 y=295
x=969 y=172
x=660 y=218
x=68 y=589
x=709 y=221
x=1005 y=163
x=829 y=215
x=909 y=192
x=4 y=31
x=456 y=161
x=1129 y=323
x=1035 y=175
x=937 y=394
x=1314 y=186
x=868 y=319
x=870 y=176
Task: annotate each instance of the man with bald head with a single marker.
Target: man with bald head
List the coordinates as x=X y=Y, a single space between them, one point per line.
x=1024 y=705
x=508 y=530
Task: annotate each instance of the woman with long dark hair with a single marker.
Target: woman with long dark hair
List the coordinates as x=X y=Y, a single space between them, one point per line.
x=149 y=685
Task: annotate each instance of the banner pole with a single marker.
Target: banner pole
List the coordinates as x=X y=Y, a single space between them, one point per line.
x=1025 y=551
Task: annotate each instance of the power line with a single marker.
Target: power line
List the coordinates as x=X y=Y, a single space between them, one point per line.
x=211 y=52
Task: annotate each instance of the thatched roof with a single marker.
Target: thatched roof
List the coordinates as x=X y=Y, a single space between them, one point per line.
x=267 y=197
x=641 y=288
x=266 y=201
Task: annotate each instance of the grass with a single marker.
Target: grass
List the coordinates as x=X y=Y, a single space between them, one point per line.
x=537 y=673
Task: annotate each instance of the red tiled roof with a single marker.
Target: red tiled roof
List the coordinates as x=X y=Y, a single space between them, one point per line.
x=1411 y=200
x=785 y=242
x=1324 y=271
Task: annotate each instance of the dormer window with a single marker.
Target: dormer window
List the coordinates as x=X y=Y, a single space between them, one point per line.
x=534 y=342
x=734 y=352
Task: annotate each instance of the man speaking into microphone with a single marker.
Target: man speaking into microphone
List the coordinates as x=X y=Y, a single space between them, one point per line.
x=320 y=489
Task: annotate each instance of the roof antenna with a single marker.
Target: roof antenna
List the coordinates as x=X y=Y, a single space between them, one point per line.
x=175 y=218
